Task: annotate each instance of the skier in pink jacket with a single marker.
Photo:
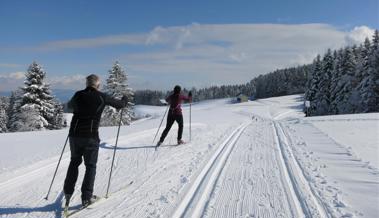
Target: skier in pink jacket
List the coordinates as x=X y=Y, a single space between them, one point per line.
x=175 y=113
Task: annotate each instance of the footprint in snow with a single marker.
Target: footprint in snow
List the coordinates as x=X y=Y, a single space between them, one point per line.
x=163 y=199
x=183 y=179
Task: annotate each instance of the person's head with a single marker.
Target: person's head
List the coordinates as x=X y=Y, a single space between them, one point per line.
x=93 y=81
x=177 y=89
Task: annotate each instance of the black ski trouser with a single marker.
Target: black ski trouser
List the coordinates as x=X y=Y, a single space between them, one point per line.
x=171 y=118
x=88 y=149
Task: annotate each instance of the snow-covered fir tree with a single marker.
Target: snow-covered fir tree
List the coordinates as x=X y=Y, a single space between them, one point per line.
x=59 y=119
x=37 y=101
x=374 y=73
x=348 y=82
x=4 y=105
x=14 y=109
x=29 y=119
x=117 y=86
x=367 y=83
x=314 y=85
x=323 y=92
x=335 y=84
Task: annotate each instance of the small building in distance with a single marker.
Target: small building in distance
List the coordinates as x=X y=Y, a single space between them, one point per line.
x=241 y=98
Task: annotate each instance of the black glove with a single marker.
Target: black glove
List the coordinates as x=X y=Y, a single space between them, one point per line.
x=190 y=94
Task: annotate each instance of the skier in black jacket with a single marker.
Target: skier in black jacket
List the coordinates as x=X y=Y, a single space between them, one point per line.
x=87 y=105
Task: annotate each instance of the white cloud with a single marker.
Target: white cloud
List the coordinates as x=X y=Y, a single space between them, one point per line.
x=358 y=35
x=13 y=75
x=204 y=54
x=10 y=81
x=215 y=54
x=76 y=81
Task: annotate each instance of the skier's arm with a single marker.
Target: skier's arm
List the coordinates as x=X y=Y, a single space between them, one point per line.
x=187 y=98
x=168 y=99
x=108 y=100
x=72 y=103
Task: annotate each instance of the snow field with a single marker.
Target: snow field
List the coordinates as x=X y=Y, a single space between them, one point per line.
x=254 y=159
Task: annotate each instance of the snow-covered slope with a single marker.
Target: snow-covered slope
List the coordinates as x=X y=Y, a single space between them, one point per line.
x=255 y=159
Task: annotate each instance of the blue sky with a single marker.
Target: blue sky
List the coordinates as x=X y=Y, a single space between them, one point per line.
x=163 y=43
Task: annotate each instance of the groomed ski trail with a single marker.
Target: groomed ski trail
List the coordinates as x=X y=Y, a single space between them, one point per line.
x=253 y=166
x=307 y=199
x=196 y=198
x=239 y=168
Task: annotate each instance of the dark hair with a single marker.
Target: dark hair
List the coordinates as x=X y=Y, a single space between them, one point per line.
x=177 y=89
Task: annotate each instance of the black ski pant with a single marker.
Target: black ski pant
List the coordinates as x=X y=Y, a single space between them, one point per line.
x=87 y=149
x=171 y=118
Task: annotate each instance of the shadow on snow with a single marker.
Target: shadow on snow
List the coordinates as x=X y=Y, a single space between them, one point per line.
x=55 y=207
x=107 y=146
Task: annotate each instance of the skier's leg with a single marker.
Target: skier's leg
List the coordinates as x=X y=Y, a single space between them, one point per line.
x=170 y=121
x=72 y=172
x=179 y=120
x=90 y=160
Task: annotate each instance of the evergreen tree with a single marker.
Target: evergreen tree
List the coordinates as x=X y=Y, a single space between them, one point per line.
x=4 y=105
x=29 y=118
x=374 y=73
x=34 y=99
x=367 y=83
x=14 y=109
x=37 y=95
x=116 y=86
x=323 y=92
x=347 y=82
x=59 y=119
x=335 y=82
x=314 y=85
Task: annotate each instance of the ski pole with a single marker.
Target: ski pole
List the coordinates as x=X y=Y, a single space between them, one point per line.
x=160 y=123
x=190 y=119
x=56 y=169
x=114 y=153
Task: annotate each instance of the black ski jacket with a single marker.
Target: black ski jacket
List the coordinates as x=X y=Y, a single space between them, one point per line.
x=87 y=105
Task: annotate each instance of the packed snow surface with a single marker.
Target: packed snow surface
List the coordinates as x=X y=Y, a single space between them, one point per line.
x=255 y=159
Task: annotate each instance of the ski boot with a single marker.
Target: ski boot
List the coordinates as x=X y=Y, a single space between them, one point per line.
x=180 y=142
x=65 y=210
x=67 y=197
x=87 y=202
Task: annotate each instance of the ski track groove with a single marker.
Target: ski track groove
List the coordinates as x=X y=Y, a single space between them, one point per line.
x=321 y=207
x=303 y=195
x=217 y=161
x=258 y=184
